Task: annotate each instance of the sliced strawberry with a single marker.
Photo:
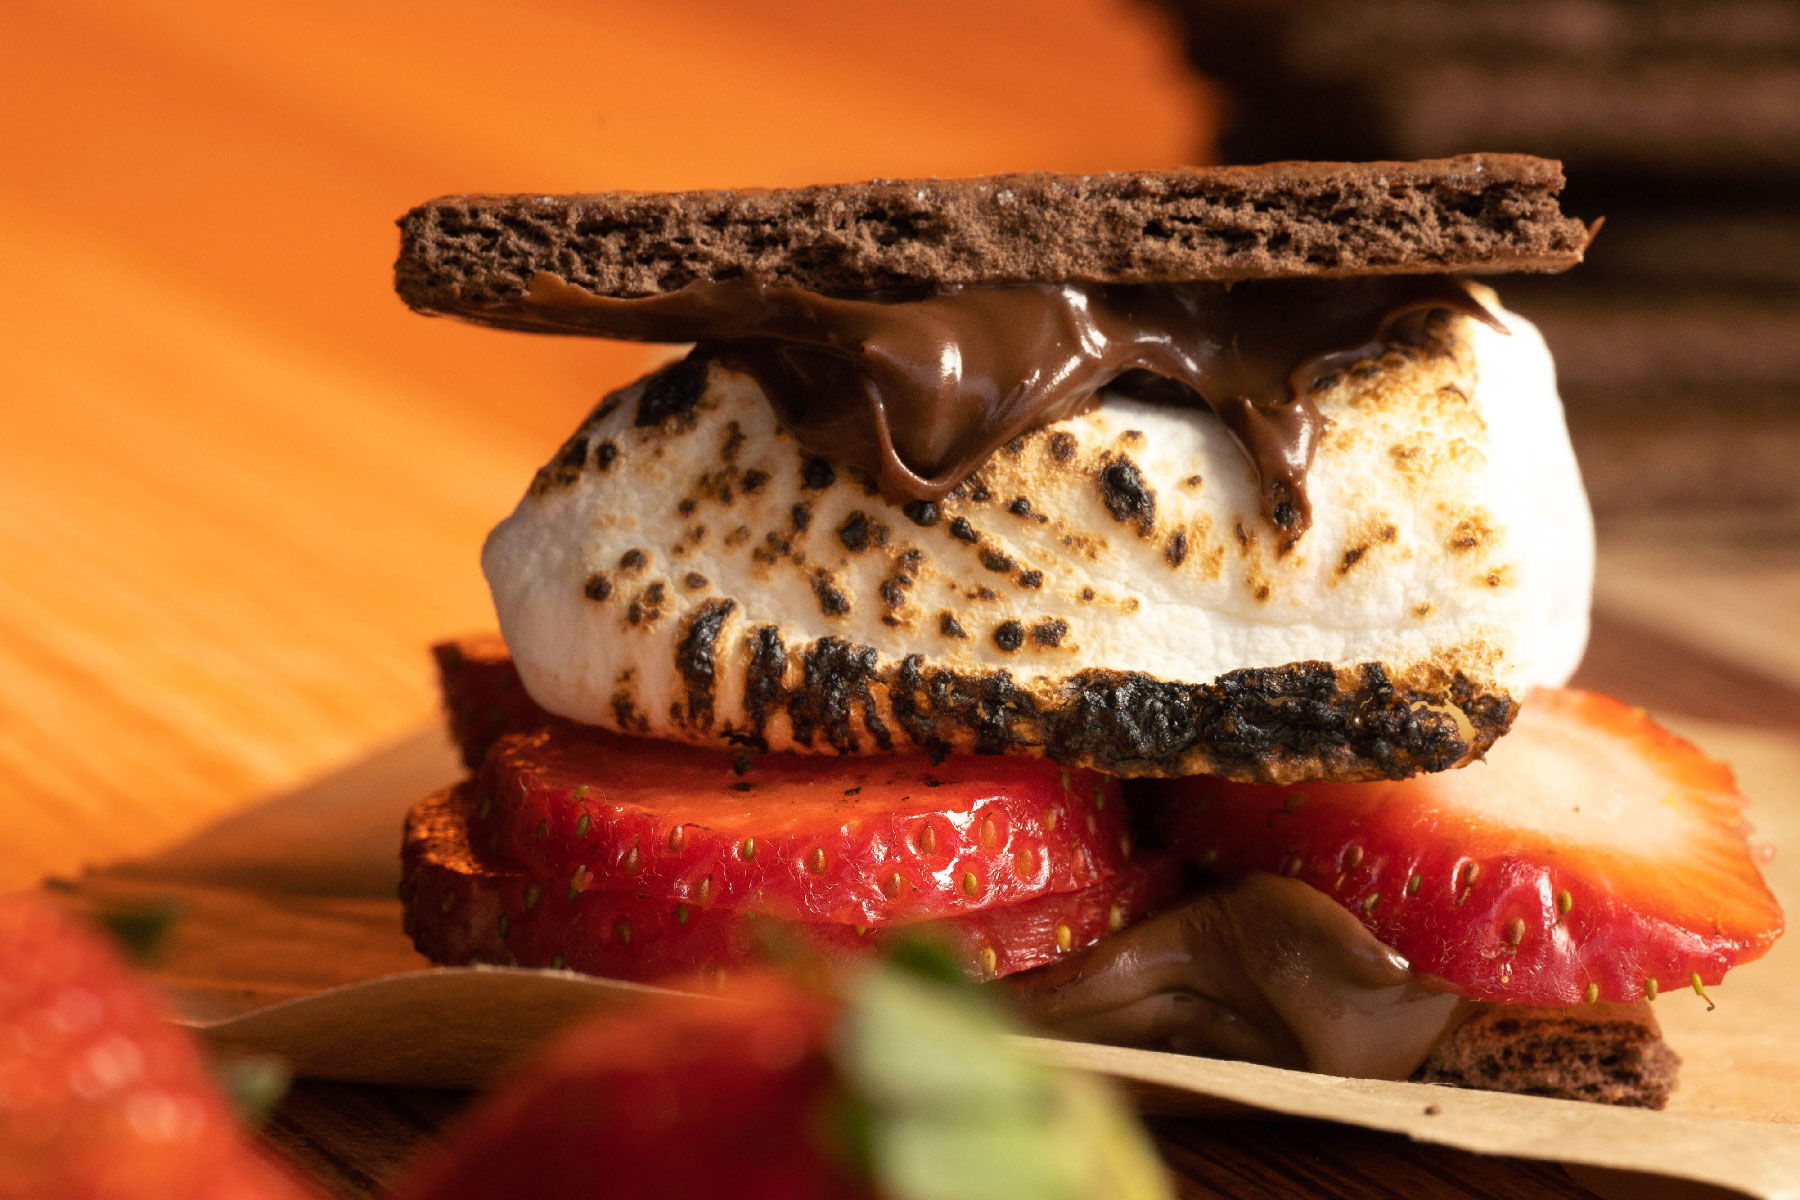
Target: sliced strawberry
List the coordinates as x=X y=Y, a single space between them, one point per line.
x=1593 y=856
x=484 y=698
x=100 y=1096
x=865 y=841
x=669 y=1100
x=463 y=906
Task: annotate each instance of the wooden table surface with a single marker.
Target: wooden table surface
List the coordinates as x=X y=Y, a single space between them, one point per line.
x=241 y=487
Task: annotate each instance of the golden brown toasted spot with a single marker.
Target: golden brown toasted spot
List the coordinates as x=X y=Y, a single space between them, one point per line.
x=1470 y=533
x=597 y=587
x=1352 y=556
x=1192 y=482
x=633 y=560
x=1132 y=437
x=1009 y=635
x=1211 y=562
x=1062 y=445
x=1031 y=579
x=693 y=581
x=1498 y=577
x=1050 y=632
x=949 y=626
x=738 y=536
x=1422 y=609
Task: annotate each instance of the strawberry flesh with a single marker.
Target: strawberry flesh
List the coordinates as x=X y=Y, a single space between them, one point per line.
x=100 y=1096
x=669 y=1100
x=465 y=906
x=871 y=841
x=1592 y=856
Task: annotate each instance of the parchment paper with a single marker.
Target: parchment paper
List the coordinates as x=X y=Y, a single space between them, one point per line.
x=290 y=945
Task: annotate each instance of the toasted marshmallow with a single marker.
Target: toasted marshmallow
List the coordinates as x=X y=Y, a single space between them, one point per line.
x=1105 y=590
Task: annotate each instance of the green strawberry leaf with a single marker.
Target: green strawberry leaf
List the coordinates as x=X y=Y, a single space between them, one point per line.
x=254 y=1084
x=953 y=1110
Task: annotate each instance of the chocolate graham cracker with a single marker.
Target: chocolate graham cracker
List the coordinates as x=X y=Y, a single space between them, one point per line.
x=1473 y=214
x=1602 y=1053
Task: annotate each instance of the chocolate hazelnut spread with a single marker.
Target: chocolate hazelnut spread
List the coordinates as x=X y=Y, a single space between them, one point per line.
x=919 y=391
x=1266 y=969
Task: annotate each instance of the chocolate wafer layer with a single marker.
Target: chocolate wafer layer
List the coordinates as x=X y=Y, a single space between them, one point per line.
x=1473 y=214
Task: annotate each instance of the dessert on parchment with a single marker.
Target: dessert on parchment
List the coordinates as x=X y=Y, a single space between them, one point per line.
x=1119 y=579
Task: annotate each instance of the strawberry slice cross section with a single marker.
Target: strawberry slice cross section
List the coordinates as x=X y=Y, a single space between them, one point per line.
x=1593 y=856
x=875 y=840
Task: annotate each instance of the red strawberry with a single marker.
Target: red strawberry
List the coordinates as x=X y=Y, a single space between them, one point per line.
x=864 y=841
x=101 y=1098
x=462 y=906
x=483 y=695
x=670 y=1100
x=898 y=1085
x=1592 y=856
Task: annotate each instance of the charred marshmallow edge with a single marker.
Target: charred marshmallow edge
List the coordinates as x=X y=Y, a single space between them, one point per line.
x=1108 y=589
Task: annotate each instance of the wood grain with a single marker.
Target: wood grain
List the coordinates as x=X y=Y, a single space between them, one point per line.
x=241 y=486
x=351 y=1139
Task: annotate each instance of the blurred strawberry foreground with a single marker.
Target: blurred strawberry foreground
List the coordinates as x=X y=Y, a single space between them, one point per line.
x=891 y=1081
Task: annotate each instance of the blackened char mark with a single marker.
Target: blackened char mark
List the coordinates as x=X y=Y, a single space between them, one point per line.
x=1252 y=721
x=696 y=658
x=673 y=392
x=573 y=455
x=1128 y=498
x=765 y=686
x=837 y=679
x=909 y=697
x=1000 y=714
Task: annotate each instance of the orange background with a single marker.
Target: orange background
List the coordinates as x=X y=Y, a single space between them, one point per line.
x=241 y=488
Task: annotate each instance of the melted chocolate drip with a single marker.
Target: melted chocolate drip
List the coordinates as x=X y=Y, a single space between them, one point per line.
x=1265 y=969
x=919 y=391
